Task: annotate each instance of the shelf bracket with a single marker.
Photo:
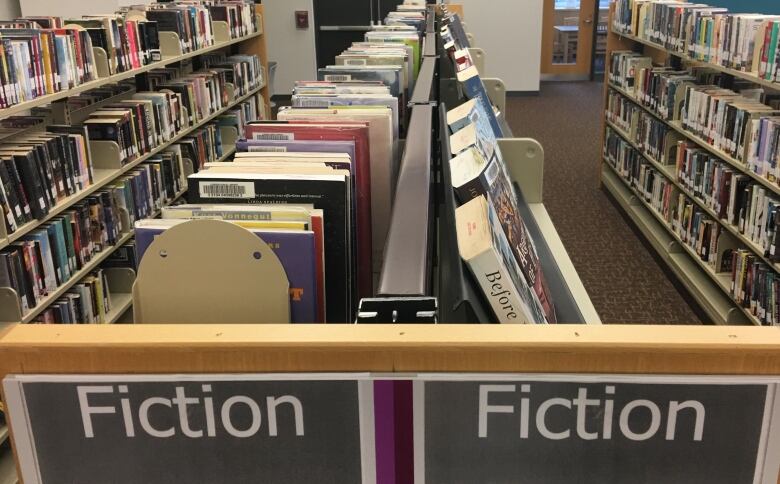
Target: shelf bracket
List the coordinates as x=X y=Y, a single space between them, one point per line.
x=401 y=309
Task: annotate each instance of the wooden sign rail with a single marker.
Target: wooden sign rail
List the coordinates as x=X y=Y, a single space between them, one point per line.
x=667 y=393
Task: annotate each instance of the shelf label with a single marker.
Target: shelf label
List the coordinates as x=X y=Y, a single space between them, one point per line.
x=362 y=428
x=197 y=429
x=562 y=429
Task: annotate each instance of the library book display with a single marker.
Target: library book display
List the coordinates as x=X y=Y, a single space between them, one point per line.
x=404 y=395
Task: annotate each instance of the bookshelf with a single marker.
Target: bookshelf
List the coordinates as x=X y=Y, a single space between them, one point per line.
x=711 y=289
x=107 y=165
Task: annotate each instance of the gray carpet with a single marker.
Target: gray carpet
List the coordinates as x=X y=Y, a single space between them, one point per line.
x=625 y=282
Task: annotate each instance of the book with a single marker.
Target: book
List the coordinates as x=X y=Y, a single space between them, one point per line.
x=383 y=159
x=484 y=248
x=474 y=89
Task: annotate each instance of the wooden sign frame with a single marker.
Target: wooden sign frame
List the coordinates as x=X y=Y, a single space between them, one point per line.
x=399 y=349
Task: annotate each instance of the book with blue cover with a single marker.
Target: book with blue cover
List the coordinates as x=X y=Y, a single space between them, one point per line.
x=474 y=89
x=294 y=248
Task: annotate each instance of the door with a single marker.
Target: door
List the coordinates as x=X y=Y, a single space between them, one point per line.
x=341 y=22
x=568 y=36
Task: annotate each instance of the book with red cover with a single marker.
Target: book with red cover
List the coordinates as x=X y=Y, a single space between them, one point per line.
x=357 y=132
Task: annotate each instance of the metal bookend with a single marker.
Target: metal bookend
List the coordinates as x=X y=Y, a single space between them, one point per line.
x=478 y=58
x=10 y=307
x=101 y=62
x=525 y=159
x=105 y=155
x=170 y=44
x=210 y=271
x=400 y=310
x=221 y=31
x=229 y=136
x=496 y=91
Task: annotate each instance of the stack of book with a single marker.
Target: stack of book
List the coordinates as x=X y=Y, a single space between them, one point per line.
x=87 y=302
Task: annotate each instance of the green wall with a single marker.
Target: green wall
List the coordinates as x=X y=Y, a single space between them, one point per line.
x=748 y=6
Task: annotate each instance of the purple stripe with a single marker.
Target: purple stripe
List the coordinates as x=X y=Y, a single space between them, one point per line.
x=404 y=432
x=384 y=431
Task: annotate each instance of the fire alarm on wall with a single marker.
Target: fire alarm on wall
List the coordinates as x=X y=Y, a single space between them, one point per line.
x=302 y=19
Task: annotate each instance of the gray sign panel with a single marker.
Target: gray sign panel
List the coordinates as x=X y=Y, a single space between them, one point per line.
x=193 y=429
x=562 y=430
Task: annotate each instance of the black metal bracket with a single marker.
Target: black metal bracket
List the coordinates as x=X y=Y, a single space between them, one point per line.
x=392 y=310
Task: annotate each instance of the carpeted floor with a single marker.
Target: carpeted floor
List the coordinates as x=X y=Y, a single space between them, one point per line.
x=625 y=282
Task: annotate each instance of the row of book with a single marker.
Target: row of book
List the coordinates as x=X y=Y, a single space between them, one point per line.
x=752 y=283
x=734 y=196
x=55 y=251
x=745 y=42
x=46 y=55
x=175 y=102
x=101 y=219
x=739 y=120
x=755 y=286
x=456 y=45
x=38 y=170
x=88 y=302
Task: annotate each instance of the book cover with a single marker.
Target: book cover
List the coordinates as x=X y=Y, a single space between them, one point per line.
x=483 y=246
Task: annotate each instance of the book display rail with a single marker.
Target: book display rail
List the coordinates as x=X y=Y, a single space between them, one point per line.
x=686 y=178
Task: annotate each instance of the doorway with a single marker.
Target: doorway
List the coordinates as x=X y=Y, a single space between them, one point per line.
x=339 y=23
x=574 y=39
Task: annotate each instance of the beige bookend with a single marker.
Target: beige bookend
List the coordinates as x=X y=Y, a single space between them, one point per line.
x=524 y=158
x=210 y=271
x=478 y=58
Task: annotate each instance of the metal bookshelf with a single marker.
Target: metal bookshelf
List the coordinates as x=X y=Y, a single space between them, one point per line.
x=103 y=175
x=710 y=289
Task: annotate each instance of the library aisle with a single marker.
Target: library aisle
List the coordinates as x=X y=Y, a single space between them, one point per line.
x=625 y=282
